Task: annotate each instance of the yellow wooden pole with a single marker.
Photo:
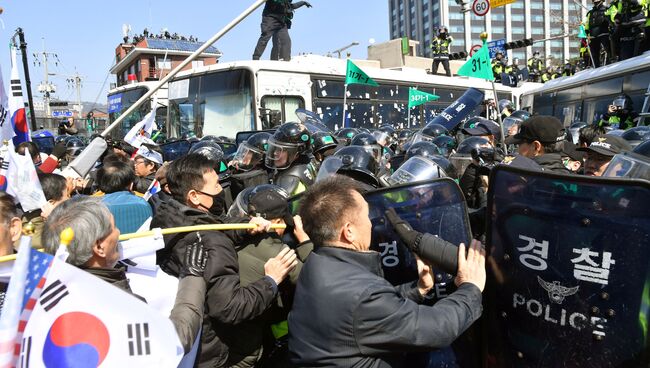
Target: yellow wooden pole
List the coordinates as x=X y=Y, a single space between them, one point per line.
x=187 y=229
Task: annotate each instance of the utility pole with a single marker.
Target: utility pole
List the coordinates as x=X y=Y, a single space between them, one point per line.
x=76 y=81
x=28 y=82
x=46 y=87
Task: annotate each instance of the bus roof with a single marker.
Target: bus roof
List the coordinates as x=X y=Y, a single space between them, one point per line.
x=135 y=85
x=321 y=65
x=587 y=76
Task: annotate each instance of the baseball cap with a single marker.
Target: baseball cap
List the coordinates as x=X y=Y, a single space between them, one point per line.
x=150 y=155
x=485 y=127
x=545 y=129
x=570 y=150
x=607 y=145
x=270 y=204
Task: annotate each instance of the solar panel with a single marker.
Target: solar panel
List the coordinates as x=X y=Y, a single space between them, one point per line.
x=178 y=45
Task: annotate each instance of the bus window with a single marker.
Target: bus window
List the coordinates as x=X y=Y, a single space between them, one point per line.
x=221 y=103
x=595 y=109
x=603 y=88
x=543 y=104
x=392 y=113
x=569 y=112
x=359 y=114
x=183 y=115
x=394 y=92
x=284 y=106
x=119 y=103
x=636 y=82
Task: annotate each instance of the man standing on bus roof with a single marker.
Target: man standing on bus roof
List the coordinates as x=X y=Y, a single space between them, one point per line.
x=498 y=66
x=440 y=46
x=597 y=25
x=535 y=67
x=276 y=22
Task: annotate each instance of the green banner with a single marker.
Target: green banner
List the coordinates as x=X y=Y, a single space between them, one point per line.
x=405 y=46
x=581 y=32
x=479 y=65
x=354 y=75
x=417 y=98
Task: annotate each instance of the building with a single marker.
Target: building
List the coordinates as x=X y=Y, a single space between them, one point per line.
x=537 y=19
x=151 y=59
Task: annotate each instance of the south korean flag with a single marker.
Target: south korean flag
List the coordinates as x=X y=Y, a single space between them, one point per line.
x=81 y=320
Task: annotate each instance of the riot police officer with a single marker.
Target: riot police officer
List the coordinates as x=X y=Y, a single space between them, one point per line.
x=247 y=165
x=620 y=114
x=547 y=75
x=441 y=48
x=597 y=26
x=276 y=22
x=629 y=22
x=535 y=67
x=323 y=145
x=288 y=155
x=498 y=66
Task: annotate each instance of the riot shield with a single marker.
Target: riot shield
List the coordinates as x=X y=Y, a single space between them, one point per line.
x=175 y=149
x=459 y=109
x=568 y=270
x=242 y=136
x=44 y=144
x=312 y=121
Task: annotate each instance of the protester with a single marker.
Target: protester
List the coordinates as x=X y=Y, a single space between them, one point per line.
x=601 y=151
x=51 y=162
x=11 y=225
x=346 y=314
x=276 y=22
x=95 y=250
x=56 y=190
x=197 y=199
x=540 y=138
x=146 y=163
x=115 y=181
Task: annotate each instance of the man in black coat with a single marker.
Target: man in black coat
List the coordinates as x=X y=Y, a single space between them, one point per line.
x=345 y=314
x=276 y=22
x=198 y=199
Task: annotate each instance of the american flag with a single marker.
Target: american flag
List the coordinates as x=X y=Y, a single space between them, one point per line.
x=39 y=264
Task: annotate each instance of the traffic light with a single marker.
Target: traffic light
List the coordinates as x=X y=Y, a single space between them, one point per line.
x=58 y=103
x=458 y=55
x=519 y=44
x=462 y=4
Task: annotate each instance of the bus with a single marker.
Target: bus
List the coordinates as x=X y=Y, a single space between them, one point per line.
x=226 y=98
x=586 y=95
x=123 y=97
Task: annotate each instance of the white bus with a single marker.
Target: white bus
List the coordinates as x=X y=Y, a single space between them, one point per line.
x=586 y=95
x=225 y=98
x=123 y=97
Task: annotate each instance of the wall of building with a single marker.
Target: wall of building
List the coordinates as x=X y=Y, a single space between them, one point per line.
x=537 y=19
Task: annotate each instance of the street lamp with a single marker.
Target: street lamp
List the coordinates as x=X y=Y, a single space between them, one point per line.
x=339 y=51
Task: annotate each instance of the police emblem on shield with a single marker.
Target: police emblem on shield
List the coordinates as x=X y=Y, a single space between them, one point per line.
x=557 y=292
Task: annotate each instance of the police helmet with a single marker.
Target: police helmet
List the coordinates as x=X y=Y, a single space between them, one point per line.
x=288 y=142
x=250 y=152
x=422 y=149
x=369 y=143
x=506 y=104
x=383 y=138
x=345 y=135
x=463 y=155
x=211 y=138
x=521 y=114
x=643 y=148
x=415 y=169
x=323 y=141
x=213 y=152
x=446 y=144
x=42 y=134
x=74 y=147
x=242 y=206
x=443 y=29
x=359 y=164
x=636 y=135
x=574 y=130
x=623 y=102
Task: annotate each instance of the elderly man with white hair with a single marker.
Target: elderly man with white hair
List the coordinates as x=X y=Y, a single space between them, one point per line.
x=95 y=250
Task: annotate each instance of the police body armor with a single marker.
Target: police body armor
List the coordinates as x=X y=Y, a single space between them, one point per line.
x=569 y=270
x=297 y=178
x=598 y=24
x=440 y=47
x=247 y=179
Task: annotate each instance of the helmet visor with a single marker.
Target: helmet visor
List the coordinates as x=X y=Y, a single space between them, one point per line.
x=382 y=138
x=460 y=162
x=329 y=167
x=247 y=157
x=416 y=169
x=280 y=156
x=628 y=166
x=619 y=102
x=419 y=137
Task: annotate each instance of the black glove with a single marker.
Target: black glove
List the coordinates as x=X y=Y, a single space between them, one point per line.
x=196 y=257
x=409 y=236
x=59 y=150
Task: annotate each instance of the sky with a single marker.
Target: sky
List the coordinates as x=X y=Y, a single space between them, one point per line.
x=85 y=33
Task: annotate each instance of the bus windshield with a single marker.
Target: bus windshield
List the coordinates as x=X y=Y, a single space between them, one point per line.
x=119 y=102
x=218 y=104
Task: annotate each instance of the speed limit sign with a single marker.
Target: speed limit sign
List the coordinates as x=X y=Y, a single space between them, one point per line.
x=480 y=7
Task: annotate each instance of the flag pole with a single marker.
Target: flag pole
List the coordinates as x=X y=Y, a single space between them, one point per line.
x=503 y=134
x=345 y=99
x=408 y=119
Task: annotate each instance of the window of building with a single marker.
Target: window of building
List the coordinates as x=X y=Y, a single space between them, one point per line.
x=497 y=17
x=478 y=29
x=537 y=31
x=517 y=30
x=537 y=18
x=498 y=30
x=455 y=16
x=556 y=43
x=457 y=29
x=517 y=17
x=517 y=5
x=536 y=5
x=556 y=6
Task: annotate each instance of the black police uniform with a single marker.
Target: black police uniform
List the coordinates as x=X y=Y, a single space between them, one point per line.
x=597 y=27
x=276 y=22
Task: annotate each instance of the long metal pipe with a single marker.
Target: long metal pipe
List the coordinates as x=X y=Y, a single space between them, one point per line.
x=180 y=67
x=28 y=81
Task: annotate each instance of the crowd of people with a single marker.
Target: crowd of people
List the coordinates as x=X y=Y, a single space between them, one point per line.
x=310 y=293
x=163 y=35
